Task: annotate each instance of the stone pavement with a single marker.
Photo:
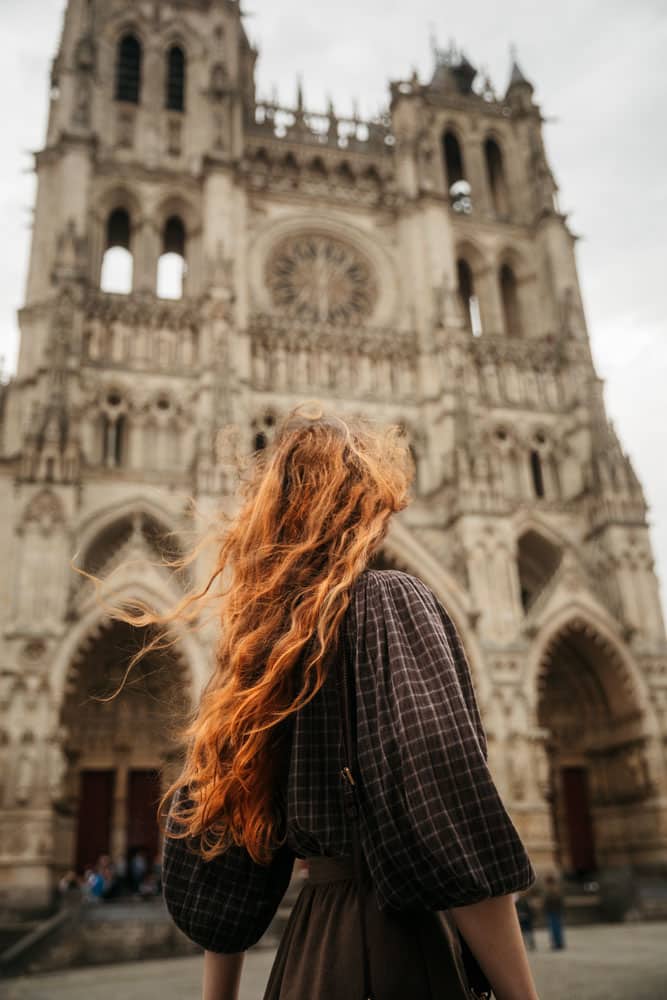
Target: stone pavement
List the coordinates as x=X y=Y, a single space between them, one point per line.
x=613 y=962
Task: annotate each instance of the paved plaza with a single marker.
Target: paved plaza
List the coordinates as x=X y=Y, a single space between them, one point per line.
x=613 y=962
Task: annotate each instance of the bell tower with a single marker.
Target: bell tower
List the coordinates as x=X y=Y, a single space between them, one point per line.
x=151 y=95
x=129 y=364
x=525 y=461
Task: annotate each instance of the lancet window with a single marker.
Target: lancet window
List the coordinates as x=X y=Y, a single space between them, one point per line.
x=128 y=69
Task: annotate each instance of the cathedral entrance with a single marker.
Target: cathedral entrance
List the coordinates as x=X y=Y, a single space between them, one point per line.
x=123 y=749
x=594 y=736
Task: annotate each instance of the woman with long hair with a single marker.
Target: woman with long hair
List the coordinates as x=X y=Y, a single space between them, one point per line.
x=339 y=726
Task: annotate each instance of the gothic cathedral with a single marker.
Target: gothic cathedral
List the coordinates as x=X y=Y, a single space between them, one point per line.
x=201 y=258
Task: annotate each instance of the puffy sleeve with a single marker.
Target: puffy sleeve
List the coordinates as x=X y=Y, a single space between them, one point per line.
x=224 y=905
x=434 y=829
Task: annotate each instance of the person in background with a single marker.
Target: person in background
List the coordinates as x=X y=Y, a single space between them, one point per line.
x=526 y=915
x=138 y=870
x=94 y=884
x=553 y=911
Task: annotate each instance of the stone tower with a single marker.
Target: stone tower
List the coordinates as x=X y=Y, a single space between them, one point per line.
x=415 y=268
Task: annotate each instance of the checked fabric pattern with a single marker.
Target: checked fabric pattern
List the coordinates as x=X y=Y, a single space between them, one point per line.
x=434 y=830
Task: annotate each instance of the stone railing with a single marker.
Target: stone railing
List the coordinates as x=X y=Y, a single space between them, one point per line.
x=288 y=355
x=353 y=134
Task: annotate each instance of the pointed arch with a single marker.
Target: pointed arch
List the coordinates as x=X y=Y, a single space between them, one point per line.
x=172 y=266
x=495 y=173
x=175 y=78
x=468 y=298
x=129 y=58
x=117 y=270
x=590 y=620
x=99 y=521
x=509 y=295
x=452 y=155
x=95 y=617
x=472 y=273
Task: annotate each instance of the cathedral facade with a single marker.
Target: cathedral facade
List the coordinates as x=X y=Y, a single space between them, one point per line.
x=201 y=258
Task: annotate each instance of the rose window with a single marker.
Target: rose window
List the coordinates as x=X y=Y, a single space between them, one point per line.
x=318 y=279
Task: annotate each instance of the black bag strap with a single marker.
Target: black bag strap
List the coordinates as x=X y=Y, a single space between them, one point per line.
x=345 y=687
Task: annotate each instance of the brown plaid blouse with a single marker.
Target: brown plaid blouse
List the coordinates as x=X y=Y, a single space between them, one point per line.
x=434 y=830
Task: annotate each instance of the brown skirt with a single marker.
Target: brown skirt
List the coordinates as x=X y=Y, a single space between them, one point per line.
x=412 y=954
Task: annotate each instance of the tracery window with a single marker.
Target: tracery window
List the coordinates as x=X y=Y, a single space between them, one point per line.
x=118 y=263
x=319 y=279
x=171 y=264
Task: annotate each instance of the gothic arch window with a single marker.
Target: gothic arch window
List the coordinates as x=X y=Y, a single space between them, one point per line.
x=455 y=179
x=171 y=265
x=495 y=172
x=175 y=88
x=117 y=264
x=510 y=301
x=468 y=297
x=128 y=69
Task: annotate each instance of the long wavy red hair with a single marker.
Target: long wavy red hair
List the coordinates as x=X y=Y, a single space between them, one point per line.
x=314 y=509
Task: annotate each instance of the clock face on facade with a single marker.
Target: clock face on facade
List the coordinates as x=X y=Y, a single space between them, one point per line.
x=318 y=279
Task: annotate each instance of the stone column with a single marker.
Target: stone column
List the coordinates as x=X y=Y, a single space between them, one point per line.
x=119 y=818
x=146 y=251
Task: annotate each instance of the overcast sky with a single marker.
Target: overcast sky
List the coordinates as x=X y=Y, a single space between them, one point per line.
x=600 y=73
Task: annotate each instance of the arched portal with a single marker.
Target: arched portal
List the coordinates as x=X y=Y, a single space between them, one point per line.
x=599 y=757
x=122 y=752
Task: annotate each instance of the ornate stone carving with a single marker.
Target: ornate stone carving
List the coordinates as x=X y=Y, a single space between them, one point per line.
x=26 y=769
x=319 y=279
x=517 y=767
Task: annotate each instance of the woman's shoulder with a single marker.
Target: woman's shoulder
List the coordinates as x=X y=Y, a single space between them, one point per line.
x=388 y=584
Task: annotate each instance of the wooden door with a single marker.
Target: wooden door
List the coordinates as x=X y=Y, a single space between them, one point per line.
x=143 y=795
x=581 y=839
x=93 y=835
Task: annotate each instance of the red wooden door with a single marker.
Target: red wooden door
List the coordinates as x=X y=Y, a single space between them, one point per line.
x=143 y=795
x=93 y=835
x=581 y=840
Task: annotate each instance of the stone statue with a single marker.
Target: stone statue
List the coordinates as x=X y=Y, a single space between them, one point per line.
x=26 y=770
x=516 y=767
x=57 y=763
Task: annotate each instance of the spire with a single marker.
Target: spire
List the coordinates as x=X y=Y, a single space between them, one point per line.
x=520 y=89
x=453 y=70
x=517 y=78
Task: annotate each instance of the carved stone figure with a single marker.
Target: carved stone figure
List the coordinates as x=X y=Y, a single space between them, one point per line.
x=26 y=769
